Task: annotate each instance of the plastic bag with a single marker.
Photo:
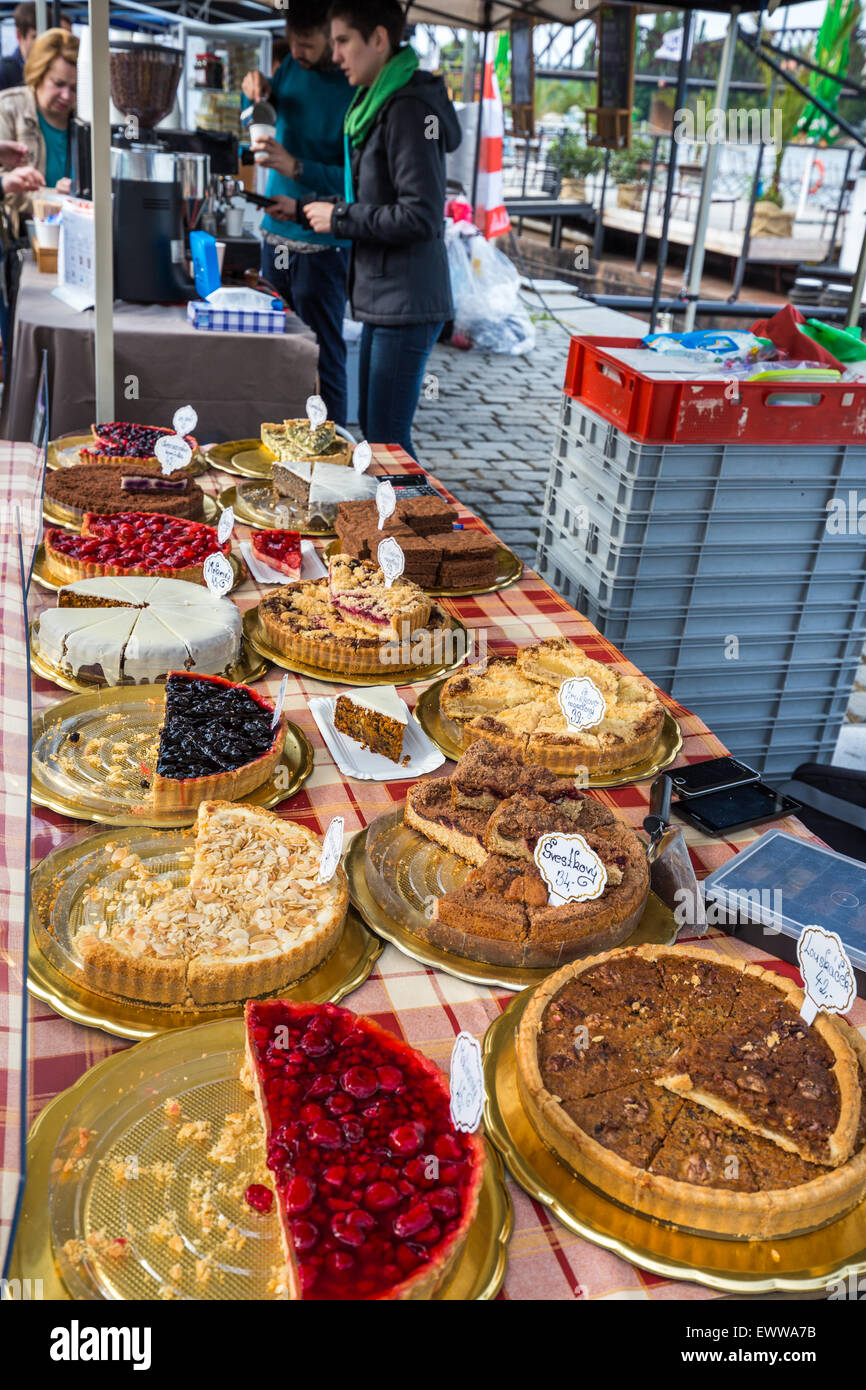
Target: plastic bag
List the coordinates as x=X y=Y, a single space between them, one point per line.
x=486 y=290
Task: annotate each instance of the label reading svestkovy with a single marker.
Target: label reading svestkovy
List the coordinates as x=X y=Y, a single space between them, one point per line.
x=571 y=870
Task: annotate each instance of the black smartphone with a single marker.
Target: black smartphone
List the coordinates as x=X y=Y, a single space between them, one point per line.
x=712 y=775
x=257 y=199
x=735 y=808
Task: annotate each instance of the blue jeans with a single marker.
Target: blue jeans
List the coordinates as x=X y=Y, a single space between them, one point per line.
x=314 y=284
x=391 y=375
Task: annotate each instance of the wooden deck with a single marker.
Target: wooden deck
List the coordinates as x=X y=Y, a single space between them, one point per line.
x=724 y=241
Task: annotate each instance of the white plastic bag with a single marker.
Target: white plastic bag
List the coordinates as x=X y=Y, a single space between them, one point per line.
x=486 y=290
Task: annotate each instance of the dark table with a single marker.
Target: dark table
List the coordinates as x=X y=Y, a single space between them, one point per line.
x=554 y=208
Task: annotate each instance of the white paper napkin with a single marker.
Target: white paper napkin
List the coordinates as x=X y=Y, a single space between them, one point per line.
x=311 y=565
x=355 y=761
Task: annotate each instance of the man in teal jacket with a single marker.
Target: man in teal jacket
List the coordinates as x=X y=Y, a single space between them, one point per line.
x=310 y=96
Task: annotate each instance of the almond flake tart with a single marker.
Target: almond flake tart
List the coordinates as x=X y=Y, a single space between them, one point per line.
x=686 y=1086
x=253 y=919
x=515 y=705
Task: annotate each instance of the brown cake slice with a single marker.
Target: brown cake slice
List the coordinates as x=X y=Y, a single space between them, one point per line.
x=468 y=558
x=426 y=516
x=518 y=823
x=485 y=775
x=429 y=810
x=375 y=718
x=489 y=904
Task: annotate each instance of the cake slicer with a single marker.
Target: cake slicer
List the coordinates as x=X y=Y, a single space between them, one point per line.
x=672 y=875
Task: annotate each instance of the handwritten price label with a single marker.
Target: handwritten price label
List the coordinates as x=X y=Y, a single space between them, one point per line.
x=317 y=411
x=581 y=702
x=225 y=525
x=828 y=975
x=386 y=501
x=173 y=452
x=184 y=420
x=278 y=707
x=467 y=1083
x=218 y=574
x=572 y=871
x=392 y=561
x=362 y=457
x=332 y=848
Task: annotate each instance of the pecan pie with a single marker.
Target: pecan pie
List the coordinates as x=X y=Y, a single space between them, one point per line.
x=639 y=1069
x=376 y=1189
x=253 y=918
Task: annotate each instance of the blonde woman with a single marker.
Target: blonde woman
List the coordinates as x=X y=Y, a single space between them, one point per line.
x=37 y=116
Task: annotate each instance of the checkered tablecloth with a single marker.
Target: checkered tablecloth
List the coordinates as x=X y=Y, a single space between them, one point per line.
x=425 y=1006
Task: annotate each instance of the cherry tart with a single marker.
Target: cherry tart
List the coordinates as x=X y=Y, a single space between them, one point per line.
x=118 y=441
x=132 y=543
x=376 y=1189
x=279 y=549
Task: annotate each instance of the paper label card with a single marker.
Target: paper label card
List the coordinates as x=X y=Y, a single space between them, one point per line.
x=362 y=457
x=331 y=850
x=173 y=452
x=392 y=561
x=386 y=501
x=572 y=871
x=317 y=411
x=225 y=525
x=828 y=975
x=581 y=702
x=281 y=697
x=184 y=420
x=467 y=1083
x=218 y=574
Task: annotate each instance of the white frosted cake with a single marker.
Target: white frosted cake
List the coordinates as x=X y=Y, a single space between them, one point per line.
x=137 y=629
x=313 y=492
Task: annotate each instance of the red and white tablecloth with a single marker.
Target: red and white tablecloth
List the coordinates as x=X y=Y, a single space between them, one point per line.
x=425 y=1006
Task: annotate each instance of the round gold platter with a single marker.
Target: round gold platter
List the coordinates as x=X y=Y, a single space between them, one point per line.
x=71 y=520
x=457 y=639
x=448 y=737
x=59 y=906
x=250 y=502
x=249 y=668
x=793 y=1265
x=230 y=458
x=116 y=727
x=509 y=568
x=46 y=580
x=63 y=453
x=414 y=870
x=135 y=1172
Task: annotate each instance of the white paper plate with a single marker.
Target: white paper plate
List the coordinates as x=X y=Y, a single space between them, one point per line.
x=311 y=565
x=355 y=761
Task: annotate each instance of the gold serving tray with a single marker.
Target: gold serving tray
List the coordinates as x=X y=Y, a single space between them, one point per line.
x=448 y=737
x=120 y=1105
x=71 y=520
x=417 y=868
x=224 y=456
x=59 y=885
x=795 y=1264
x=509 y=568
x=248 y=501
x=408 y=675
x=249 y=668
x=63 y=453
x=129 y=714
x=46 y=580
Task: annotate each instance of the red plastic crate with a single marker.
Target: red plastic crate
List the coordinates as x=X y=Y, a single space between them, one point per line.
x=714 y=411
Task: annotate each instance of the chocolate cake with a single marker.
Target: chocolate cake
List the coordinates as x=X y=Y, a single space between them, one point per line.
x=436 y=555
x=106 y=488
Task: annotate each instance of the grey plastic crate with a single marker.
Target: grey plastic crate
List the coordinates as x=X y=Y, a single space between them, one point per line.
x=807 y=710
x=757 y=654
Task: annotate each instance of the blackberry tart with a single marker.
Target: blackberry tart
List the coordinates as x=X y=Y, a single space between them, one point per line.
x=216 y=742
x=122 y=441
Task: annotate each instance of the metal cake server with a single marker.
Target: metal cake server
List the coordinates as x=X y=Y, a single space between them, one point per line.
x=672 y=876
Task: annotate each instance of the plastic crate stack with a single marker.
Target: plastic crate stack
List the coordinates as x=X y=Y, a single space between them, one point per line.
x=713 y=568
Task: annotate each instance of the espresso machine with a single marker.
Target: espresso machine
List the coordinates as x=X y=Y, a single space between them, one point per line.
x=161 y=179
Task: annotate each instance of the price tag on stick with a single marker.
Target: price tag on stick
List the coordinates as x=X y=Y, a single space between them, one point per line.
x=828 y=975
x=362 y=457
x=392 y=561
x=386 y=501
x=467 y=1083
x=184 y=420
x=572 y=871
x=173 y=452
x=218 y=574
x=225 y=525
x=581 y=702
x=331 y=850
x=278 y=707
x=317 y=411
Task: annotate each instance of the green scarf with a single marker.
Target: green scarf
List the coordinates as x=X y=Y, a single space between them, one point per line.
x=368 y=102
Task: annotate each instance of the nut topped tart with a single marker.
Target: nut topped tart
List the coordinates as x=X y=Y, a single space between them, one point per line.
x=684 y=1084
x=216 y=741
x=515 y=704
x=281 y=550
x=252 y=919
x=120 y=441
x=376 y=1189
x=357 y=593
x=133 y=543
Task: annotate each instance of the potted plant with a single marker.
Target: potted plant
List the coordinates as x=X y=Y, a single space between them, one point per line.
x=627 y=168
x=575 y=161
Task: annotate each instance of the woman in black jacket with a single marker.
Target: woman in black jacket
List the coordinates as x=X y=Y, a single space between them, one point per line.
x=397 y=131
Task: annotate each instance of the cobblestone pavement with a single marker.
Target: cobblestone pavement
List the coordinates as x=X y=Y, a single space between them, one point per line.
x=488 y=430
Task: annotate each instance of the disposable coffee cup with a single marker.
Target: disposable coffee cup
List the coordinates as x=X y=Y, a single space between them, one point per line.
x=221 y=253
x=260 y=131
x=234 y=221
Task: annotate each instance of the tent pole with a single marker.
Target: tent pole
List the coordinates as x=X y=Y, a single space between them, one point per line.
x=487 y=9
x=100 y=155
x=696 y=267
x=679 y=103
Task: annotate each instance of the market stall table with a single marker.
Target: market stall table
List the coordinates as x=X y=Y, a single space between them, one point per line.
x=161 y=362
x=425 y=1006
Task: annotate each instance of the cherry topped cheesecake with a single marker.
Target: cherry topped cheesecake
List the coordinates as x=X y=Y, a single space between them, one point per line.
x=216 y=742
x=119 y=441
x=132 y=543
x=376 y=1189
x=279 y=549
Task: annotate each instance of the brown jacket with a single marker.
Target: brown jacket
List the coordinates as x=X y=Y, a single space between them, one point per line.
x=19 y=121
